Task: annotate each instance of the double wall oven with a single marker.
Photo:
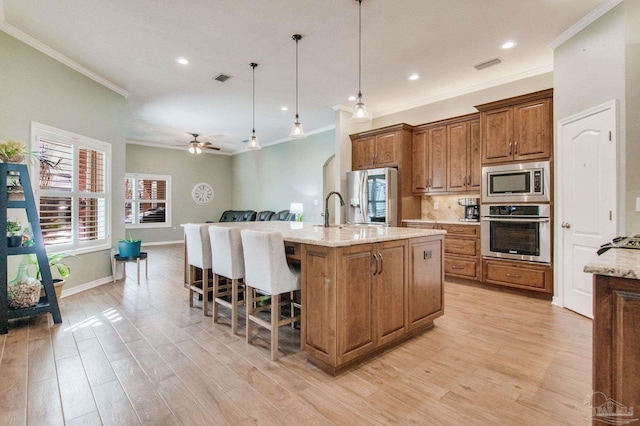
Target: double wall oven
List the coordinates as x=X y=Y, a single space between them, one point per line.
x=512 y=226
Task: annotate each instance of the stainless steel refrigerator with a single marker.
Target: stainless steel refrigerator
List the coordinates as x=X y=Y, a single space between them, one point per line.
x=372 y=197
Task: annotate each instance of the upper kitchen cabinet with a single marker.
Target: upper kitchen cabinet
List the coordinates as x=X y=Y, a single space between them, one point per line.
x=517 y=129
x=381 y=147
x=446 y=156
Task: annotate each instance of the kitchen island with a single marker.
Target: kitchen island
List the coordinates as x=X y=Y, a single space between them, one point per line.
x=363 y=288
x=616 y=334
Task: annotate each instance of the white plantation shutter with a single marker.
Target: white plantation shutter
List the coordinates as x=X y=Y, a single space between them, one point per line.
x=72 y=190
x=147 y=201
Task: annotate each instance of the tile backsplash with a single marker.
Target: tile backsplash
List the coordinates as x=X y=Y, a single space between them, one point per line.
x=448 y=208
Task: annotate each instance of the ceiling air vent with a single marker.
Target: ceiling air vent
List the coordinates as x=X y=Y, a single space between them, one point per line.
x=487 y=64
x=222 y=78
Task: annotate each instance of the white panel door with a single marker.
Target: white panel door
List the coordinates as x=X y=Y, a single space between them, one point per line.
x=587 y=187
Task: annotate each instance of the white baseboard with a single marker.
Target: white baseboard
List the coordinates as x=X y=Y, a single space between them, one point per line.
x=86 y=286
x=556 y=301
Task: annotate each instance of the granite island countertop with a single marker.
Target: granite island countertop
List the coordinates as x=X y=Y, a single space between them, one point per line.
x=439 y=221
x=335 y=235
x=621 y=263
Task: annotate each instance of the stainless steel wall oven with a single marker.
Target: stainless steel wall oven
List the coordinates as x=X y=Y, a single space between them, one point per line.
x=519 y=232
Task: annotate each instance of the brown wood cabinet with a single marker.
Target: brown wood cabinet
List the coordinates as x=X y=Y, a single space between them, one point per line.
x=388 y=147
x=524 y=275
x=616 y=341
x=517 y=129
x=358 y=299
x=462 y=258
x=446 y=156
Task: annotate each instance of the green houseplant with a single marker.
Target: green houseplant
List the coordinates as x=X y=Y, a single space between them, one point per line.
x=14 y=233
x=129 y=247
x=15 y=152
x=55 y=260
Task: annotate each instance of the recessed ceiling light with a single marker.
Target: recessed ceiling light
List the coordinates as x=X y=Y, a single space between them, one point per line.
x=352 y=98
x=284 y=108
x=509 y=44
x=414 y=77
x=182 y=61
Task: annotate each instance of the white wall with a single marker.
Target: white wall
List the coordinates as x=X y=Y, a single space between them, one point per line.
x=278 y=175
x=34 y=87
x=590 y=70
x=632 y=80
x=185 y=170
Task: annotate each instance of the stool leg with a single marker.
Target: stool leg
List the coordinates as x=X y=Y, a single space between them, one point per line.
x=113 y=268
x=205 y=293
x=248 y=291
x=138 y=265
x=234 y=306
x=146 y=268
x=216 y=291
x=192 y=273
x=275 y=318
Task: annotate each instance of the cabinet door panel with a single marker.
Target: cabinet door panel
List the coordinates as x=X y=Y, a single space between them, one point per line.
x=437 y=159
x=419 y=162
x=457 y=157
x=362 y=153
x=475 y=157
x=390 y=288
x=425 y=281
x=532 y=133
x=386 y=150
x=497 y=135
x=355 y=302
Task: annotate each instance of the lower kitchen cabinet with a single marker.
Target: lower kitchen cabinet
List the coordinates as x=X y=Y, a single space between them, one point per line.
x=525 y=275
x=426 y=298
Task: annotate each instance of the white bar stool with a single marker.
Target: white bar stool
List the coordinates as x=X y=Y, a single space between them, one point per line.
x=228 y=262
x=198 y=256
x=266 y=270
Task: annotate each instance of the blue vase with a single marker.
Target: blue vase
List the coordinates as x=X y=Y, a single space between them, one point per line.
x=129 y=249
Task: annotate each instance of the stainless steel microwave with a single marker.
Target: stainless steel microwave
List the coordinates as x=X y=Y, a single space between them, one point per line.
x=516 y=183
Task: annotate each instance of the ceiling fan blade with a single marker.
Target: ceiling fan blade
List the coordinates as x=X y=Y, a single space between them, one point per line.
x=211 y=147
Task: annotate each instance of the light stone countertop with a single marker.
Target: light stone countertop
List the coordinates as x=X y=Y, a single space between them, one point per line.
x=442 y=221
x=336 y=235
x=621 y=263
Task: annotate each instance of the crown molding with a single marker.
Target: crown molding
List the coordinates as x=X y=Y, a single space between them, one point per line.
x=466 y=90
x=38 y=45
x=589 y=18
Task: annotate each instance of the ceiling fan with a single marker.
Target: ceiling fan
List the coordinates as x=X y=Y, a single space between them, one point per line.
x=196 y=147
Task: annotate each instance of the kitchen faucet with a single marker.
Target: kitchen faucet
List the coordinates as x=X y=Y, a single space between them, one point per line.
x=326 y=207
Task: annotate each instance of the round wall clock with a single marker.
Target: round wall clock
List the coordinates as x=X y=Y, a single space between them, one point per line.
x=202 y=193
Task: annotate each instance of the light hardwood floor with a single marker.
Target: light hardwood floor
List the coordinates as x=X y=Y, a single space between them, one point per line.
x=131 y=353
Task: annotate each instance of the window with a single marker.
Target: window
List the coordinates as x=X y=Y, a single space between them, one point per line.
x=73 y=172
x=147 y=201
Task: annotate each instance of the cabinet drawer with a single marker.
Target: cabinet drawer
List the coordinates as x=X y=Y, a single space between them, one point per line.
x=464 y=247
x=466 y=230
x=516 y=275
x=461 y=267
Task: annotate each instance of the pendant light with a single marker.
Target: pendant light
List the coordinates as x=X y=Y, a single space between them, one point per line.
x=253 y=142
x=360 y=114
x=296 y=131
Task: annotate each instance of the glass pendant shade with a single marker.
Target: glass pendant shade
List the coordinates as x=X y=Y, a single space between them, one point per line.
x=296 y=130
x=360 y=114
x=198 y=149
x=253 y=143
x=192 y=150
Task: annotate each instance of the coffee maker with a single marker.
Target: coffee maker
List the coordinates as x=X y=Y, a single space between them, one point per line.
x=471 y=209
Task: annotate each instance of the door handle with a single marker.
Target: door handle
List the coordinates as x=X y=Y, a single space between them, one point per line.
x=381 y=263
x=375 y=271
x=514 y=275
x=566 y=225
x=510 y=145
x=516 y=148
x=457 y=267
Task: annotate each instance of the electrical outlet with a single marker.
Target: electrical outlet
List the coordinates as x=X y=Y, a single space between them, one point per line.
x=436 y=206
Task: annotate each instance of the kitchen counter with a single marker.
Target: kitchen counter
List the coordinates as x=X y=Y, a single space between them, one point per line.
x=364 y=289
x=335 y=235
x=621 y=263
x=616 y=315
x=438 y=221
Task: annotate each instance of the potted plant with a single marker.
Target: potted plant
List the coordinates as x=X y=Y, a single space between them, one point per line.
x=14 y=233
x=15 y=152
x=54 y=260
x=129 y=247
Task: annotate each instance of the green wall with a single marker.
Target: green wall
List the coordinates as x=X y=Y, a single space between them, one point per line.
x=185 y=170
x=275 y=176
x=35 y=87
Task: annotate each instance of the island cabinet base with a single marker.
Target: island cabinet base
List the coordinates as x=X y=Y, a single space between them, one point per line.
x=362 y=299
x=616 y=343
